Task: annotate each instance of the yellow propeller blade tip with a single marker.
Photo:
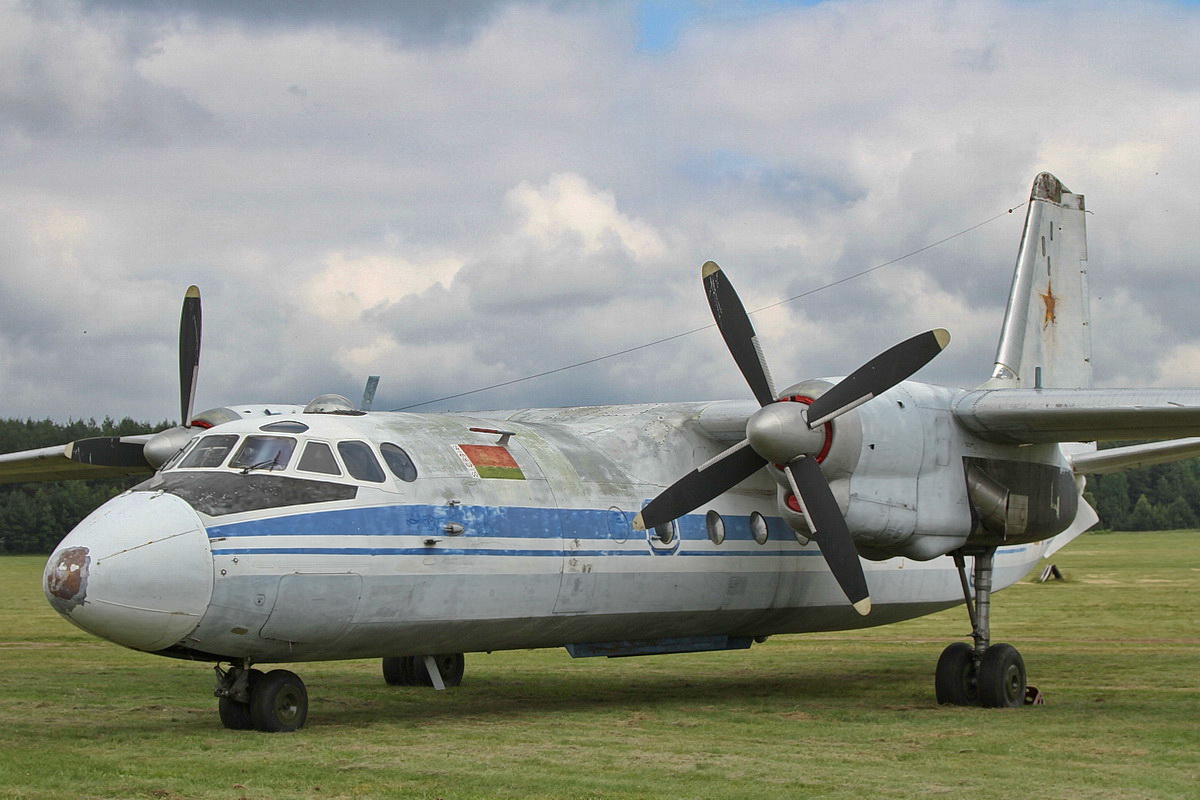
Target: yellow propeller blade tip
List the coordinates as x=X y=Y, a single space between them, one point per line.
x=638 y=524
x=863 y=606
x=943 y=337
x=708 y=269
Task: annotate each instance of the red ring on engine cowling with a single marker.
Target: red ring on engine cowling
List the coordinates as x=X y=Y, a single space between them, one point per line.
x=790 y=499
x=808 y=401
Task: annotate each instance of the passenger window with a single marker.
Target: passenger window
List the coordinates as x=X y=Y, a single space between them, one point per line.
x=210 y=452
x=318 y=457
x=360 y=461
x=398 y=462
x=264 y=452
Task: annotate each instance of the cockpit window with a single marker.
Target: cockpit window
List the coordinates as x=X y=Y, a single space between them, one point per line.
x=398 y=462
x=361 y=461
x=174 y=460
x=210 y=451
x=264 y=452
x=318 y=457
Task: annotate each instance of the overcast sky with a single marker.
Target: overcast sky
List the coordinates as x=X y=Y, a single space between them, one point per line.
x=453 y=195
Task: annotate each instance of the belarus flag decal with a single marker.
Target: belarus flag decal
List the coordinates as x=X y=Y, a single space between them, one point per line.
x=491 y=461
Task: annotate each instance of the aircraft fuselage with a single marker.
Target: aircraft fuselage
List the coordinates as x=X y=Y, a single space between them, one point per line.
x=325 y=536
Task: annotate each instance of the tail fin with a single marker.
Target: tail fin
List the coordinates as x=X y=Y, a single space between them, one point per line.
x=1046 y=340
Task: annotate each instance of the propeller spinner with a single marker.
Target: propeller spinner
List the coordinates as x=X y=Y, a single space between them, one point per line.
x=790 y=435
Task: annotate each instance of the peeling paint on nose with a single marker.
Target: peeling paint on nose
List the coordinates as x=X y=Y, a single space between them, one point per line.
x=137 y=571
x=67 y=579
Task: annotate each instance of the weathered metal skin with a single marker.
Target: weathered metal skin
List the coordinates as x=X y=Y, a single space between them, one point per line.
x=454 y=562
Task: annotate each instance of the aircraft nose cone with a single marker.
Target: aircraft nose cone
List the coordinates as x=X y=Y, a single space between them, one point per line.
x=138 y=571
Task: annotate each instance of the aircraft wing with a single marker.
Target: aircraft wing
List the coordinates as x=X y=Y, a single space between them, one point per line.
x=84 y=459
x=1039 y=416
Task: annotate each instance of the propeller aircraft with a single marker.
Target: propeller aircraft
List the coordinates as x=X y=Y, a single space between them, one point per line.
x=283 y=533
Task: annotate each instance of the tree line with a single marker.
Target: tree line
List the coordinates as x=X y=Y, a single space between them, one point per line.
x=35 y=516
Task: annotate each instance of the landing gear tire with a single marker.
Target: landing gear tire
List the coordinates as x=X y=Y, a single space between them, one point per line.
x=450 y=665
x=411 y=671
x=956 y=680
x=399 y=671
x=234 y=714
x=278 y=702
x=1002 y=677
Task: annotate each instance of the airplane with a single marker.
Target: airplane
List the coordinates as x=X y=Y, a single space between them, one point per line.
x=277 y=533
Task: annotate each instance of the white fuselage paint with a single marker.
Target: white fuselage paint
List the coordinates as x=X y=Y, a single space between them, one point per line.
x=456 y=562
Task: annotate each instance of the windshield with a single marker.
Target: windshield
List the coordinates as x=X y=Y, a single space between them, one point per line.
x=264 y=452
x=210 y=451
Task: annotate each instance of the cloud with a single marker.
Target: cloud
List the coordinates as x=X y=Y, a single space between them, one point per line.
x=412 y=24
x=454 y=195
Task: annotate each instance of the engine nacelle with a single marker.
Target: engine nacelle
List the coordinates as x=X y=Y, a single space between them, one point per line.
x=923 y=486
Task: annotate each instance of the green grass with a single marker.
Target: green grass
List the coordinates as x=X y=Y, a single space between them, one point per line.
x=1115 y=649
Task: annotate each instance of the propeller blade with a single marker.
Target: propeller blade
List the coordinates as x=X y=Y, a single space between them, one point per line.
x=701 y=485
x=878 y=375
x=734 y=324
x=189 y=353
x=830 y=530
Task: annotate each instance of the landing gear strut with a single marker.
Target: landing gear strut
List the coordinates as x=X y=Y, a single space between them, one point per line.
x=248 y=699
x=991 y=675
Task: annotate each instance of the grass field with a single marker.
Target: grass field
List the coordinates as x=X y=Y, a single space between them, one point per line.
x=1115 y=649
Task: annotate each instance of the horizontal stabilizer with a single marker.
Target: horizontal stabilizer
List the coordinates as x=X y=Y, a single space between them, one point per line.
x=1135 y=456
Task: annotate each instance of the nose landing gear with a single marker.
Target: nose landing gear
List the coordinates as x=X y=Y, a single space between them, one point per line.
x=248 y=699
x=990 y=675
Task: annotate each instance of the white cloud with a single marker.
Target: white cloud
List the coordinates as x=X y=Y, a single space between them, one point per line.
x=1179 y=366
x=351 y=284
x=471 y=201
x=568 y=207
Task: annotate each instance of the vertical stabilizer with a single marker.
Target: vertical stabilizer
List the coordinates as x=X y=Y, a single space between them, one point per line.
x=1046 y=340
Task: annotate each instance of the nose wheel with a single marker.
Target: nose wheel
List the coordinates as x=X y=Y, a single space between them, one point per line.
x=248 y=699
x=989 y=675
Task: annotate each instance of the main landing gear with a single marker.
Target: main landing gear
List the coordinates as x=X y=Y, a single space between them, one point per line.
x=991 y=675
x=437 y=671
x=249 y=699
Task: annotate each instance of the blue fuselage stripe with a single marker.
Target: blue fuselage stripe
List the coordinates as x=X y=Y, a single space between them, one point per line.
x=522 y=526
